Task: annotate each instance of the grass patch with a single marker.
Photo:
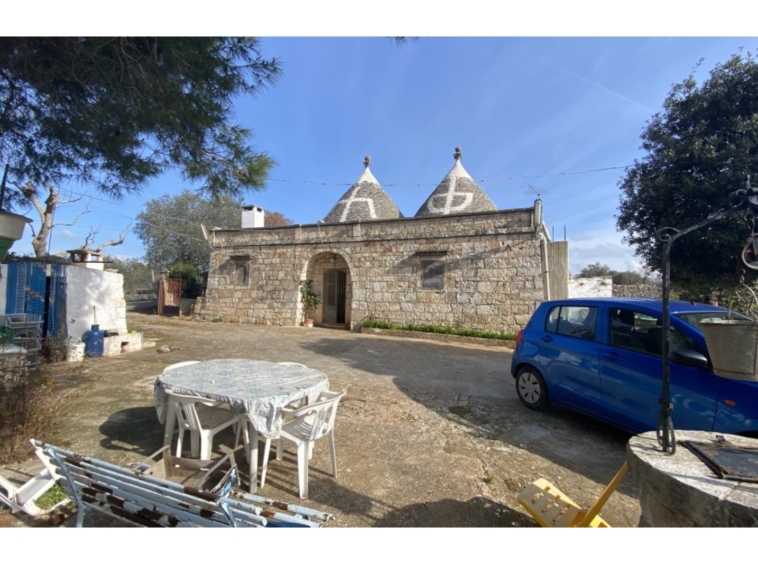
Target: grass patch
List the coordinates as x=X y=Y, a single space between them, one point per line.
x=489 y=479
x=444 y=330
x=51 y=497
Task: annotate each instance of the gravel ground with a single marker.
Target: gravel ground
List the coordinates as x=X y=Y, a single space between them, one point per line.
x=429 y=434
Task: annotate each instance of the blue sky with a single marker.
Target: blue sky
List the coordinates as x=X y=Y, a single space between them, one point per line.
x=525 y=110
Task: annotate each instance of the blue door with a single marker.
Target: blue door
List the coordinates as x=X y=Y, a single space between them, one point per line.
x=568 y=354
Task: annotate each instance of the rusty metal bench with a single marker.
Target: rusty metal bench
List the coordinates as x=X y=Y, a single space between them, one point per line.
x=136 y=497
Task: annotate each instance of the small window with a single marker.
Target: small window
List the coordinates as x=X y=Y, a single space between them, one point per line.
x=573 y=321
x=241 y=274
x=432 y=274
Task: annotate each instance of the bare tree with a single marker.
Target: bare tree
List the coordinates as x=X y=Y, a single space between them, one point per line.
x=89 y=240
x=46 y=213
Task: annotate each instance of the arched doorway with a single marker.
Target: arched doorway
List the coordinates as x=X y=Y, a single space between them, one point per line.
x=335 y=284
x=332 y=282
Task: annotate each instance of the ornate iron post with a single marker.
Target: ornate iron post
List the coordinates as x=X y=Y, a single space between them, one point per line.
x=744 y=199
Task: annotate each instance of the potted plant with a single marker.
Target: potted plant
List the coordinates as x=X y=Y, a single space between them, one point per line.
x=733 y=342
x=11 y=224
x=310 y=301
x=11 y=230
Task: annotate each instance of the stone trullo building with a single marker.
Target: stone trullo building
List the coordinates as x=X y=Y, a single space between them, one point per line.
x=458 y=262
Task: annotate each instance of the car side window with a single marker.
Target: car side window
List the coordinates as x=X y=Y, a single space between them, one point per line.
x=573 y=321
x=551 y=324
x=640 y=332
x=634 y=331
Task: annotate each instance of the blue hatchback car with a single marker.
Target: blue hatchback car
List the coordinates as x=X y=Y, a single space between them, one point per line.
x=602 y=356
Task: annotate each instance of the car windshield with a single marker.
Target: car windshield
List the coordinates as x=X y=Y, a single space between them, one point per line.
x=695 y=317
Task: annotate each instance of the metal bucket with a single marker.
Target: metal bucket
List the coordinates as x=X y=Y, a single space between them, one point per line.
x=733 y=348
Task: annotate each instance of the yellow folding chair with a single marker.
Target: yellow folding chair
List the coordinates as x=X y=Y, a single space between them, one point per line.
x=550 y=507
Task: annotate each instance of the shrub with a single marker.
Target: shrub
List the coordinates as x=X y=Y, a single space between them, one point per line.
x=193 y=282
x=27 y=408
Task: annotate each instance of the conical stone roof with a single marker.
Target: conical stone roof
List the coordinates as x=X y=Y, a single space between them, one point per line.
x=457 y=193
x=366 y=200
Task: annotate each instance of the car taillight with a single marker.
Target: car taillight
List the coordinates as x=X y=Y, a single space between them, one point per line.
x=519 y=336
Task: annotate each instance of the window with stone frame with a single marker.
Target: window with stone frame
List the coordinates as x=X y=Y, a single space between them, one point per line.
x=241 y=274
x=432 y=274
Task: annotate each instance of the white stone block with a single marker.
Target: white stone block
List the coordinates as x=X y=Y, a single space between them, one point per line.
x=75 y=352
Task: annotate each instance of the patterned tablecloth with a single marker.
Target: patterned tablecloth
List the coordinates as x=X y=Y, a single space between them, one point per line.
x=258 y=389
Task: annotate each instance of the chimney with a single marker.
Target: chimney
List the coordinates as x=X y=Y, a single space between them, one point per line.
x=252 y=217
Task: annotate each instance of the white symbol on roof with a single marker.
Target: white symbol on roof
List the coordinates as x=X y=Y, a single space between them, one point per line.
x=351 y=199
x=449 y=197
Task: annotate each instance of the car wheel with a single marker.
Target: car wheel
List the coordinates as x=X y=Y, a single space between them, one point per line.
x=531 y=388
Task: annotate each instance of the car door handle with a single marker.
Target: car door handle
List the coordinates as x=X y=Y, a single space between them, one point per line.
x=547 y=338
x=613 y=357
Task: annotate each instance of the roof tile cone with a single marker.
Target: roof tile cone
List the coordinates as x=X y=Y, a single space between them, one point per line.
x=457 y=193
x=364 y=201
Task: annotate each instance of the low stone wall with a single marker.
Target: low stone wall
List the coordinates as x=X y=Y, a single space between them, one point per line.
x=680 y=490
x=637 y=291
x=112 y=345
x=137 y=295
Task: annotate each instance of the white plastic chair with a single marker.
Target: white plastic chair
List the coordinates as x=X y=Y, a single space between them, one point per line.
x=202 y=419
x=309 y=424
x=213 y=404
x=24 y=497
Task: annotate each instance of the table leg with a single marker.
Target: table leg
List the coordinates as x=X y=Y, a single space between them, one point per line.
x=168 y=433
x=252 y=456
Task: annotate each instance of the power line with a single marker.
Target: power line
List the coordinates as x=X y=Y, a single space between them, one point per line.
x=554 y=174
x=425 y=185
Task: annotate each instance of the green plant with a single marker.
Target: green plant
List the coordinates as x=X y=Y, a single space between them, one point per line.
x=308 y=297
x=51 y=497
x=440 y=329
x=489 y=479
x=743 y=299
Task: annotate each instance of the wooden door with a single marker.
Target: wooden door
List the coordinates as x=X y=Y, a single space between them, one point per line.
x=334 y=296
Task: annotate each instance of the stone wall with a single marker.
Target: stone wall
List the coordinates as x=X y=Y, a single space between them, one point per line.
x=637 y=291
x=603 y=287
x=492 y=275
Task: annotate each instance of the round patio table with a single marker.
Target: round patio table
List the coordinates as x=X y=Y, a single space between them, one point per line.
x=255 y=388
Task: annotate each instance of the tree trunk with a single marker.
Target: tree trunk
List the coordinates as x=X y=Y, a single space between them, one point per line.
x=39 y=241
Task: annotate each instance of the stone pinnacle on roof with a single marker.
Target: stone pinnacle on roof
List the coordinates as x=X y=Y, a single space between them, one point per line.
x=364 y=201
x=457 y=193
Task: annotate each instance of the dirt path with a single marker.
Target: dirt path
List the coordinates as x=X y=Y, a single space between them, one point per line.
x=429 y=434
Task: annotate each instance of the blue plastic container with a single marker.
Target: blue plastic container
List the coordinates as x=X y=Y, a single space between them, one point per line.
x=94 y=342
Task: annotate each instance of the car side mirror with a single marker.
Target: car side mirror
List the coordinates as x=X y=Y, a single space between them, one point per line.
x=688 y=357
